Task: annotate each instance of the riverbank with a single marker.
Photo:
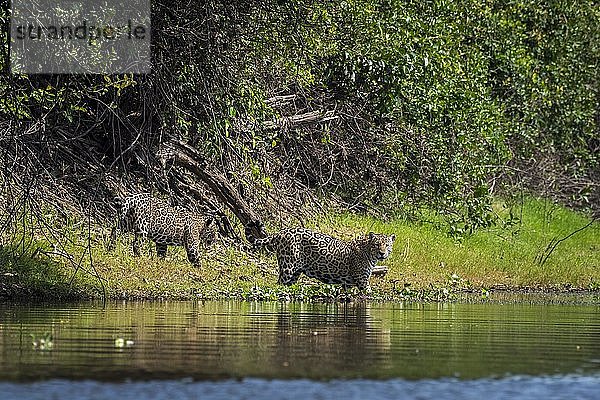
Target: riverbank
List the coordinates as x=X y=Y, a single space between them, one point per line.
x=426 y=264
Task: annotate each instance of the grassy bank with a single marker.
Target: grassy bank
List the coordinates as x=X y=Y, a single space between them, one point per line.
x=426 y=263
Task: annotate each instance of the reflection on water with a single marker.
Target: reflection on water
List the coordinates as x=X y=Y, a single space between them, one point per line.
x=211 y=340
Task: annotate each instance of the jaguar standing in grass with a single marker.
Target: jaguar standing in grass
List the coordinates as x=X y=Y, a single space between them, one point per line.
x=324 y=257
x=150 y=217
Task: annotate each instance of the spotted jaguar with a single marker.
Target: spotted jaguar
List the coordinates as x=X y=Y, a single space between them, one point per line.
x=150 y=217
x=326 y=258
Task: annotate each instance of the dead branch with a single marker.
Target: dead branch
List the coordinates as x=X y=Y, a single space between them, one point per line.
x=543 y=257
x=225 y=228
x=296 y=121
x=183 y=155
x=277 y=101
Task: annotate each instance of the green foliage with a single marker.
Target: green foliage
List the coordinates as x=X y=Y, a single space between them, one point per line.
x=421 y=74
x=545 y=59
x=44 y=343
x=30 y=274
x=431 y=99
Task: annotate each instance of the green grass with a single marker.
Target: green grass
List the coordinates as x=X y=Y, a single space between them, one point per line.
x=426 y=263
x=25 y=276
x=503 y=255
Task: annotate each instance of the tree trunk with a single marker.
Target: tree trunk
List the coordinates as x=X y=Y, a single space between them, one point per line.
x=184 y=155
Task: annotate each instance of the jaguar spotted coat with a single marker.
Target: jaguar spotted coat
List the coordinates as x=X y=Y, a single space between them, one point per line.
x=149 y=217
x=326 y=258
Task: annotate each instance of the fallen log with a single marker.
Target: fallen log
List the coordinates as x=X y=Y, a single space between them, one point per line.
x=225 y=228
x=185 y=156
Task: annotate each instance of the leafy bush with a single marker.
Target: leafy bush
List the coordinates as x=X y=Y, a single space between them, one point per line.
x=385 y=104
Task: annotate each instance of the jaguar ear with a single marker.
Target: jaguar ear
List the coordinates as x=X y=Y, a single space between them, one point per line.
x=393 y=237
x=371 y=235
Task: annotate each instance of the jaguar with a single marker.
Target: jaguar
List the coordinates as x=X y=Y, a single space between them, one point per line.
x=150 y=217
x=326 y=258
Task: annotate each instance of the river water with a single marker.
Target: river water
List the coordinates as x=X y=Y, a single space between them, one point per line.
x=225 y=350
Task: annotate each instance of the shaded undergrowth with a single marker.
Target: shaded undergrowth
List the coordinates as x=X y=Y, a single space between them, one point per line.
x=33 y=276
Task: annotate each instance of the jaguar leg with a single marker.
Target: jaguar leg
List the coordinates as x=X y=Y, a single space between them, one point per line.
x=193 y=255
x=288 y=279
x=288 y=275
x=136 y=244
x=191 y=243
x=364 y=287
x=344 y=295
x=113 y=239
x=161 y=250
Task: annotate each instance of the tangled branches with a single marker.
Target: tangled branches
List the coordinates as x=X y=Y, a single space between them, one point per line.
x=294 y=104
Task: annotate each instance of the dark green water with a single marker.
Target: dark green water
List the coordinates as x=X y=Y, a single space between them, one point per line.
x=218 y=348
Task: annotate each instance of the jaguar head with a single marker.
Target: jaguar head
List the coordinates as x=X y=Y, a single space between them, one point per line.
x=381 y=245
